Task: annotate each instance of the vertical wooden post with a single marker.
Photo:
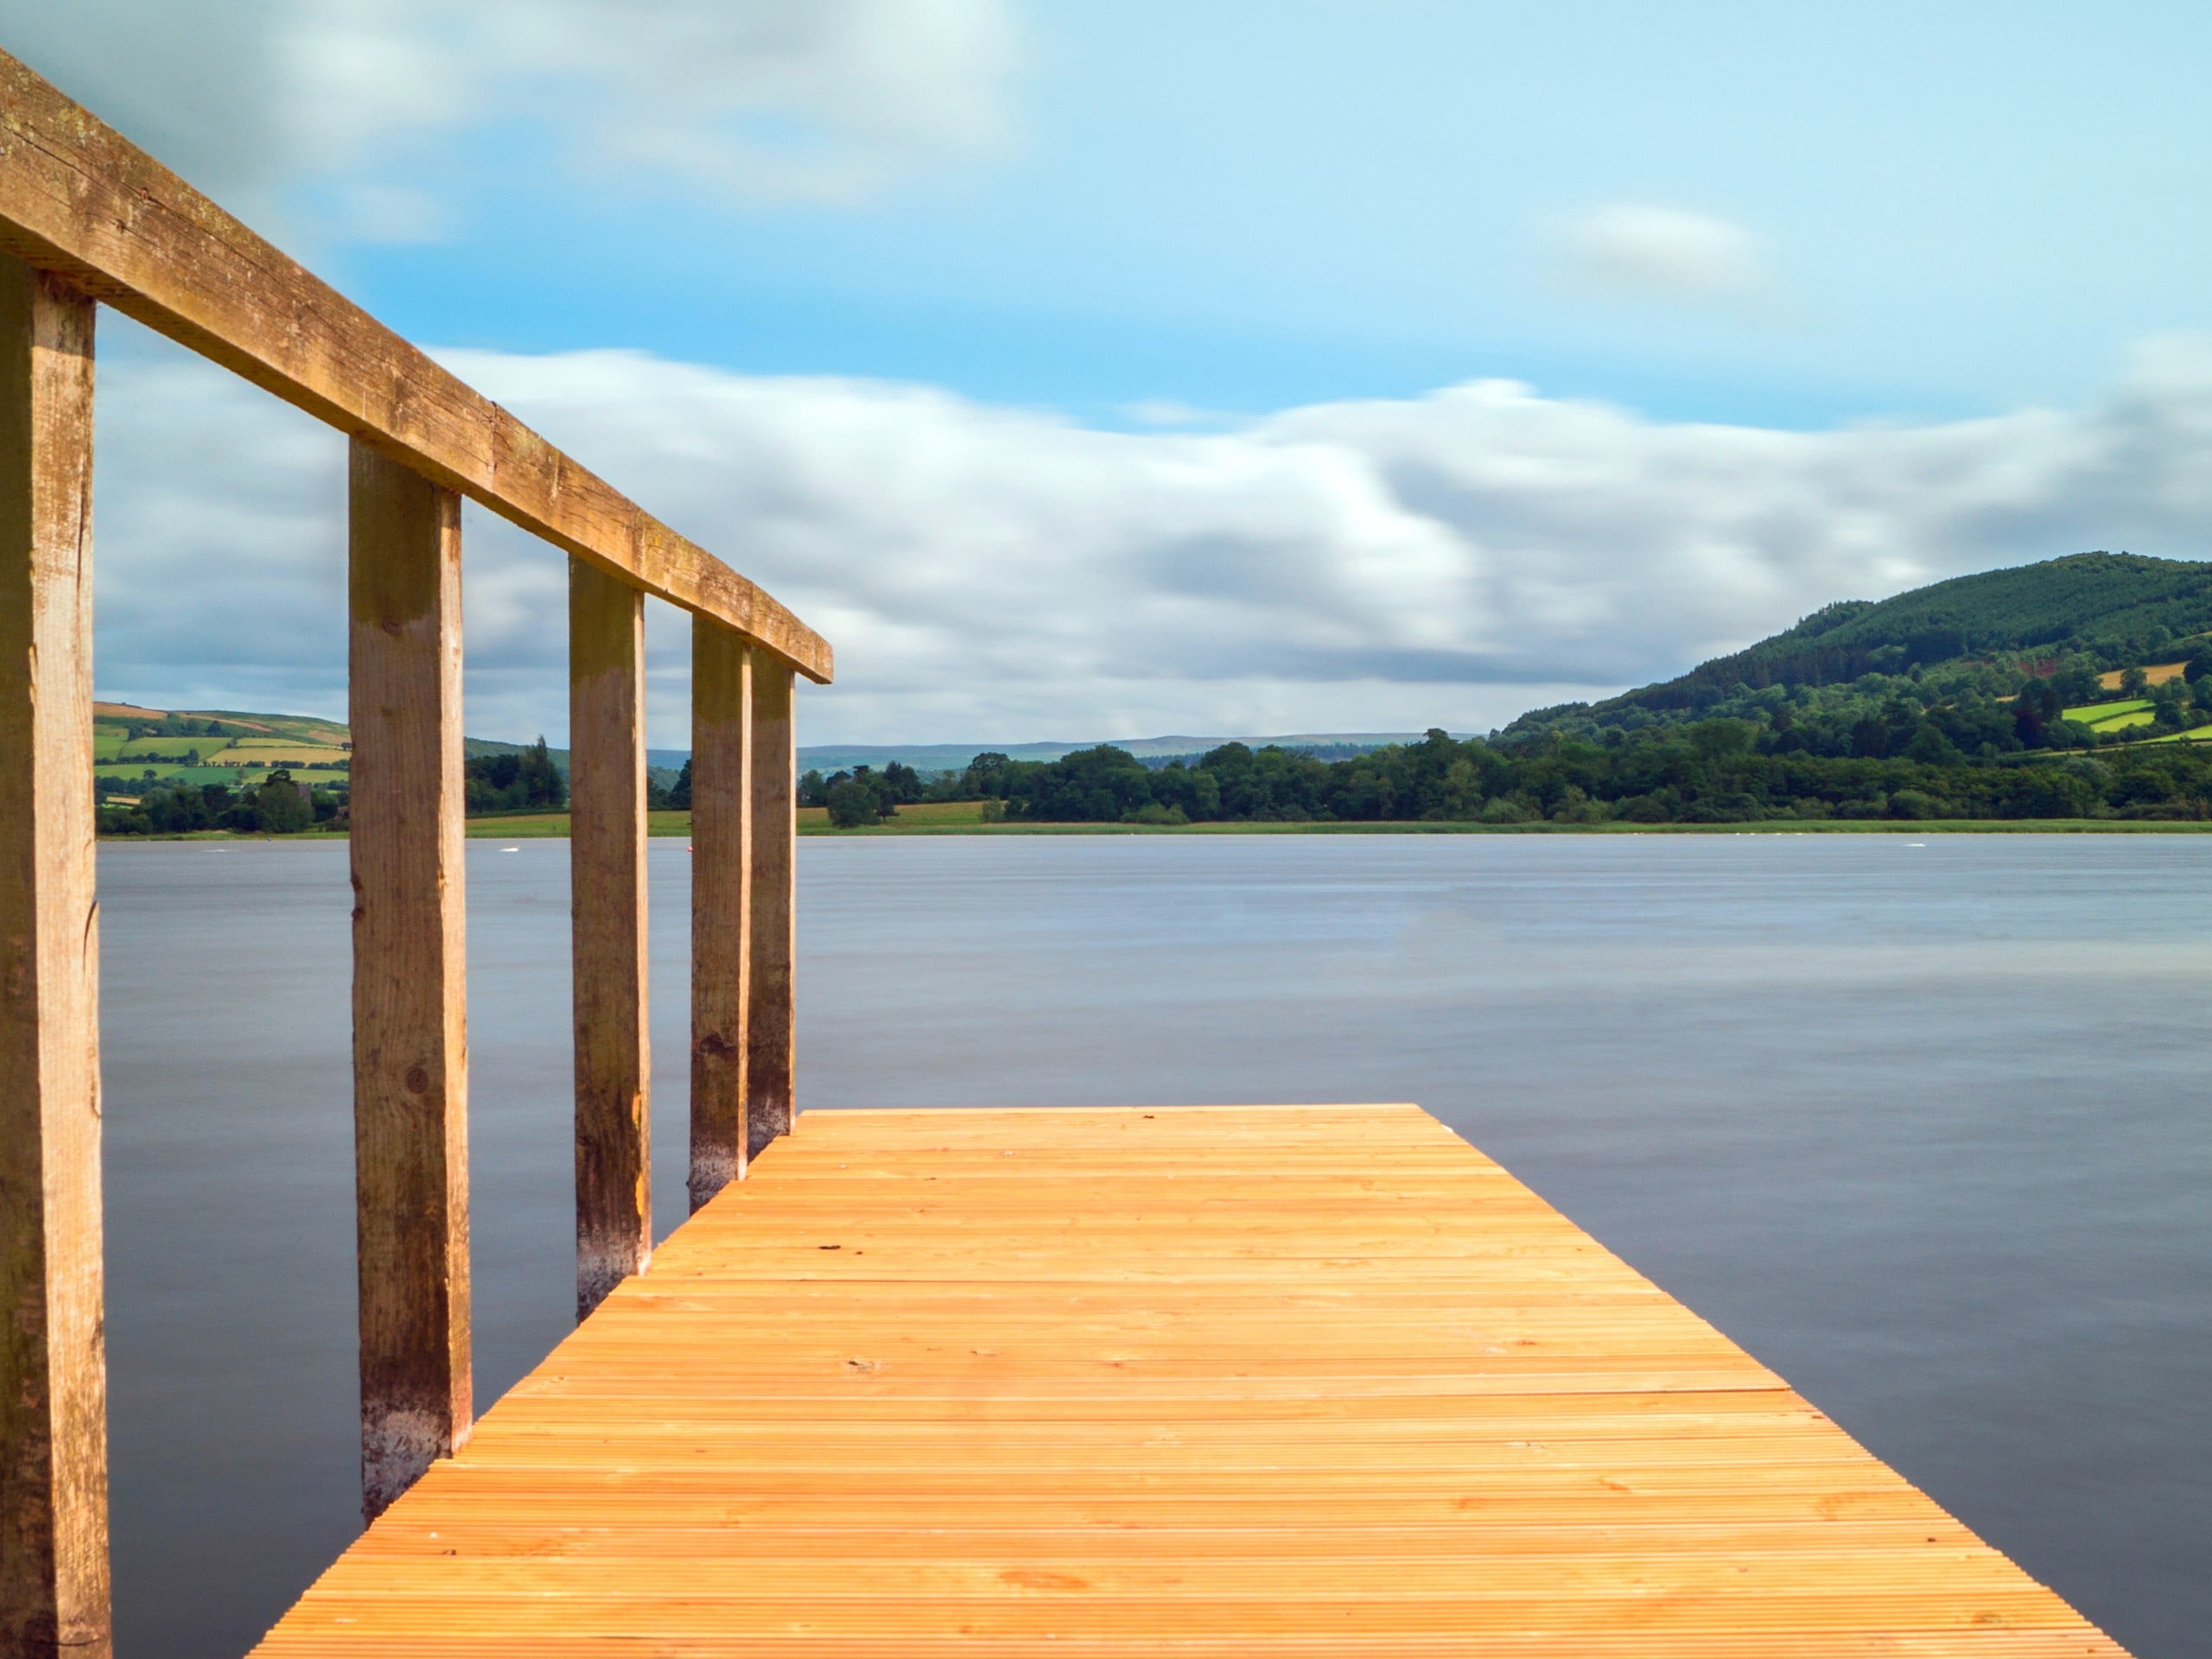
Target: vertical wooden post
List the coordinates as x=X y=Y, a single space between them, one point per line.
x=53 y=1558
x=411 y=1032
x=606 y=850
x=721 y=875
x=770 y=1025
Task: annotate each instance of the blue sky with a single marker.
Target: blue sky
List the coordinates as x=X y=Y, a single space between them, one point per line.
x=1239 y=207
x=968 y=325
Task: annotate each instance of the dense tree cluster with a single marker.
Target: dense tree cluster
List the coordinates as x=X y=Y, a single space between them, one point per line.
x=521 y=780
x=865 y=796
x=277 y=806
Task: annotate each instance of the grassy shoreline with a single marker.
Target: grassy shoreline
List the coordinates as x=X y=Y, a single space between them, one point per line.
x=964 y=818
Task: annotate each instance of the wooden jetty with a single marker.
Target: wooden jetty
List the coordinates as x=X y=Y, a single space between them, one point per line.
x=1208 y=1381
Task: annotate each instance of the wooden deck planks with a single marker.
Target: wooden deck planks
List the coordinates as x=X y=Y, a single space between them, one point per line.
x=1211 y=1381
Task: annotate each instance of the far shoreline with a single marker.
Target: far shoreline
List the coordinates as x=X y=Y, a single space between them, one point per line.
x=553 y=826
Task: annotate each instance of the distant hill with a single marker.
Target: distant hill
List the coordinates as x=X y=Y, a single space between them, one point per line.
x=2119 y=608
x=953 y=757
x=2118 y=604
x=206 y=746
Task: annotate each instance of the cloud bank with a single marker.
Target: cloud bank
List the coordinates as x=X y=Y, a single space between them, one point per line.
x=830 y=100
x=994 y=573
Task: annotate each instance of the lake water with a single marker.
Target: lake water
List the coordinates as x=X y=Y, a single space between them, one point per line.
x=1924 y=1126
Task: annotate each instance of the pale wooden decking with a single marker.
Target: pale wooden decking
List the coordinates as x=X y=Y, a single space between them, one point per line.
x=1314 y=1380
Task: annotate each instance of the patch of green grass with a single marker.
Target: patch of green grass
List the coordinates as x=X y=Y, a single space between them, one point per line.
x=135 y=748
x=539 y=826
x=237 y=778
x=924 y=815
x=2112 y=716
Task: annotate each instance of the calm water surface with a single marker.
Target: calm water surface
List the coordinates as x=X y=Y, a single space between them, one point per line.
x=1923 y=1127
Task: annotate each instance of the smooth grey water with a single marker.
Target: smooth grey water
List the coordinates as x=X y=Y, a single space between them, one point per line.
x=1923 y=1127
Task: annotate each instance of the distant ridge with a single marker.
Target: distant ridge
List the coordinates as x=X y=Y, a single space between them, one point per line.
x=2120 y=608
x=2124 y=603
x=953 y=757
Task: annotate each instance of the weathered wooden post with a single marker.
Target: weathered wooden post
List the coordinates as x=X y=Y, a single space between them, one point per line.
x=410 y=1033
x=606 y=852
x=53 y=1557
x=722 y=902
x=771 y=1026
x=95 y=214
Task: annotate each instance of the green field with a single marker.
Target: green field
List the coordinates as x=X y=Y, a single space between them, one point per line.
x=2112 y=716
x=159 y=754
x=924 y=815
x=237 y=777
x=539 y=826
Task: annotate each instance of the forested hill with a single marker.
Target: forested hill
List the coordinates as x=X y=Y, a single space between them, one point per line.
x=2119 y=608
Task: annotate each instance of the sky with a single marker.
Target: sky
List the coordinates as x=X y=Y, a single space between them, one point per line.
x=1092 y=368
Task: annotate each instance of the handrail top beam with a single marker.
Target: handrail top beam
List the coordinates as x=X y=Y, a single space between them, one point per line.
x=78 y=199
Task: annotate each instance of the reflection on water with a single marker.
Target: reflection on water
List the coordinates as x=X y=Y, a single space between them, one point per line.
x=1923 y=1127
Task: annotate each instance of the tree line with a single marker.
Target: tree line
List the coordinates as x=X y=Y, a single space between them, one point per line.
x=1980 y=741
x=278 y=805
x=1711 y=771
x=1970 y=741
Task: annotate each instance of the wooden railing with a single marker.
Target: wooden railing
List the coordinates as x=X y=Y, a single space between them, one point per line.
x=86 y=218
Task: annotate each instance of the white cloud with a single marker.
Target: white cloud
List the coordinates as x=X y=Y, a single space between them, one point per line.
x=993 y=574
x=828 y=100
x=1650 y=252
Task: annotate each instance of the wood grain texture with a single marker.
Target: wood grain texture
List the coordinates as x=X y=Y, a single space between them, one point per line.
x=78 y=199
x=607 y=877
x=54 y=1553
x=410 y=1033
x=1154 y=1382
x=721 y=879
x=771 y=1025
